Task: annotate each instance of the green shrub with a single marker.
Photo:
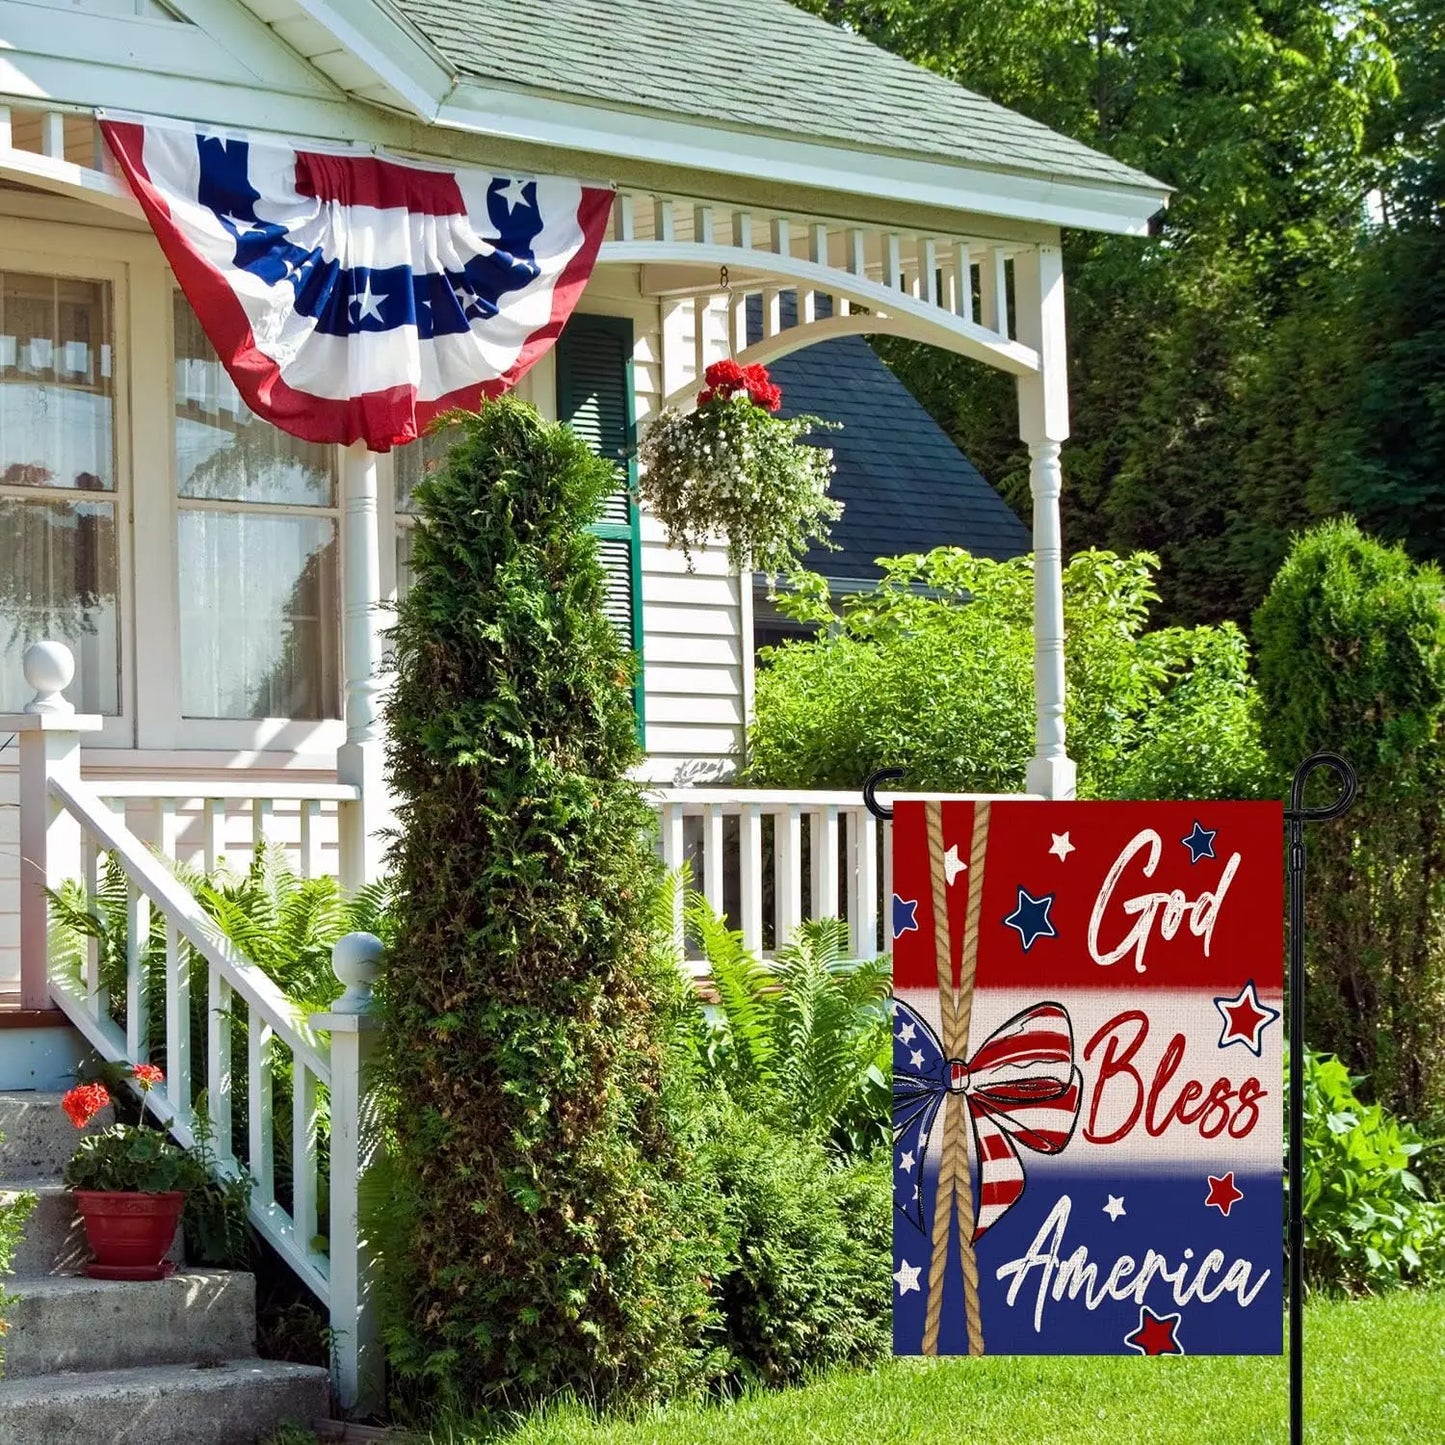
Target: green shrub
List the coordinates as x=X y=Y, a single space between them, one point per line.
x=1351 y=643
x=933 y=672
x=557 y=1235
x=1368 y=1224
x=806 y=1283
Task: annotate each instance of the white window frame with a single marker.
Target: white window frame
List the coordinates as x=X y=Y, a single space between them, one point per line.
x=271 y=734
x=82 y=264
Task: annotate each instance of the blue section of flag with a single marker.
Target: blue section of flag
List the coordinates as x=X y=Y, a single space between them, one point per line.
x=348 y=300
x=1163 y=1212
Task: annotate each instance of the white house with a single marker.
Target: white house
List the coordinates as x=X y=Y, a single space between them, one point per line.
x=221 y=583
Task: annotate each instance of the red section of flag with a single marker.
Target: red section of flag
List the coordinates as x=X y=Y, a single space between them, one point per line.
x=370 y=181
x=1104 y=895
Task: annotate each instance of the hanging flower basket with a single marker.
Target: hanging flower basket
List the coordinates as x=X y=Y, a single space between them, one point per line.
x=734 y=467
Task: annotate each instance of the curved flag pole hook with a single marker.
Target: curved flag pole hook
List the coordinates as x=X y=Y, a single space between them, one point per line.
x=870 y=791
x=1297 y=815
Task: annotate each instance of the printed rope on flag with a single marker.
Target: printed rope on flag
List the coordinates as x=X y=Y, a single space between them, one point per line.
x=1087 y=1077
x=351 y=295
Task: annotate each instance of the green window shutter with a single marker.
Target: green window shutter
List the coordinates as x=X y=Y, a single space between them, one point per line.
x=595 y=397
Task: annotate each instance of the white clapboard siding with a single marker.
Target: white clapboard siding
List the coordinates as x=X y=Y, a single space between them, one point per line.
x=694 y=654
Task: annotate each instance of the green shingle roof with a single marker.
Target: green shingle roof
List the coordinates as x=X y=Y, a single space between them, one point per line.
x=755 y=64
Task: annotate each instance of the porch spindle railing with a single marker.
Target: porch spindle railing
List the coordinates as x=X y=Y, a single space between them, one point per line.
x=224 y=1032
x=768 y=859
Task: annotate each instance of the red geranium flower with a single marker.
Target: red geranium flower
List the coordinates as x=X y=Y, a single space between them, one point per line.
x=762 y=391
x=725 y=376
x=147 y=1075
x=84 y=1102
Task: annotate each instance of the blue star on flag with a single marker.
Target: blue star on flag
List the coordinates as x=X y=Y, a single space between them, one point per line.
x=1031 y=918
x=904 y=921
x=1200 y=842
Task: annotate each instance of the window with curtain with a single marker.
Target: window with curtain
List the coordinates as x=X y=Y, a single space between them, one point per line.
x=59 y=567
x=256 y=529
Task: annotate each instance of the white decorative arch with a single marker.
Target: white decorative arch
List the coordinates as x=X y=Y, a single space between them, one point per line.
x=810 y=333
x=890 y=309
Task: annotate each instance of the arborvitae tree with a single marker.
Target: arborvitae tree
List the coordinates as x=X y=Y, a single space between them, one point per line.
x=1352 y=659
x=555 y=1236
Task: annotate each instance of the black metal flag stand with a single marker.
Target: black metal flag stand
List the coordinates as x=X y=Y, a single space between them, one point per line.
x=1297 y=815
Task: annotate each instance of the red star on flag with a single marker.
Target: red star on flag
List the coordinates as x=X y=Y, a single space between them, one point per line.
x=1222 y=1193
x=1245 y=1018
x=1155 y=1335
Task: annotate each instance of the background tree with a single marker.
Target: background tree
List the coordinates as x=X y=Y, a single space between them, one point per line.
x=1212 y=369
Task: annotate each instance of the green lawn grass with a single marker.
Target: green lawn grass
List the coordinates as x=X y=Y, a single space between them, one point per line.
x=1375 y=1373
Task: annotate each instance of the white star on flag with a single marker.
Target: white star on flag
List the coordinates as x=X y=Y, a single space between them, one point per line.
x=1115 y=1207
x=370 y=304
x=907 y=1032
x=514 y=193
x=953 y=865
x=907 y=1162
x=916 y=1058
x=1062 y=846
x=907 y=1277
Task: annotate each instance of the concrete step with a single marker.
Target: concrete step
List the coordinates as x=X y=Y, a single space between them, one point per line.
x=54 y=1239
x=38 y=1138
x=235 y=1403
x=64 y=1322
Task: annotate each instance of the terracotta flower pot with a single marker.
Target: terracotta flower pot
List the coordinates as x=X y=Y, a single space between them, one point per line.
x=129 y=1234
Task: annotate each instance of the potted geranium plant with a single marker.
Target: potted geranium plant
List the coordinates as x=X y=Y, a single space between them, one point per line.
x=129 y=1183
x=733 y=466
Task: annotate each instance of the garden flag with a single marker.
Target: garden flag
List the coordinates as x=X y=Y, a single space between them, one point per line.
x=353 y=295
x=1087 y=1078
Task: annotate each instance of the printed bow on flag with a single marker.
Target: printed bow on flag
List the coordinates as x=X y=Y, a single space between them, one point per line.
x=1022 y=1087
x=353 y=295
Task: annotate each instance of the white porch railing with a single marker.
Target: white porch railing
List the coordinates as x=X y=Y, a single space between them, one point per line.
x=770 y=858
x=65 y=826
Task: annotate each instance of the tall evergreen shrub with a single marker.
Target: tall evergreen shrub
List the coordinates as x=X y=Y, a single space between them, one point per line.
x=1351 y=654
x=555 y=1239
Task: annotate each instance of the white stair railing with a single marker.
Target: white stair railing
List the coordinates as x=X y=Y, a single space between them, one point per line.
x=63 y=821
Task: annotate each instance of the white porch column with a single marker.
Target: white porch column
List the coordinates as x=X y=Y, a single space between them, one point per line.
x=1044 y=425
x=49 y=731
x=360 y=761
x=358 y=1370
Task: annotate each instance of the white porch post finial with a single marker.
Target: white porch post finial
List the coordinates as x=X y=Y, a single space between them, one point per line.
x=359 y=761
x=49 y=668
x=1044 y=425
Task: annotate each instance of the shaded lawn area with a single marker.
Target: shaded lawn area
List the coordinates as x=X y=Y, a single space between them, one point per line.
x=1375 y=1372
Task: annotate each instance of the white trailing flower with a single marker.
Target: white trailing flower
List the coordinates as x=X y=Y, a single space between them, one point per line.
x=734 y=468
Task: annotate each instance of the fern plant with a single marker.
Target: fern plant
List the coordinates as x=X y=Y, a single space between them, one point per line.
x=806 y=1036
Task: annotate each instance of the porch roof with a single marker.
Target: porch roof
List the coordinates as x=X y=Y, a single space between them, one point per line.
x=750 y=66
